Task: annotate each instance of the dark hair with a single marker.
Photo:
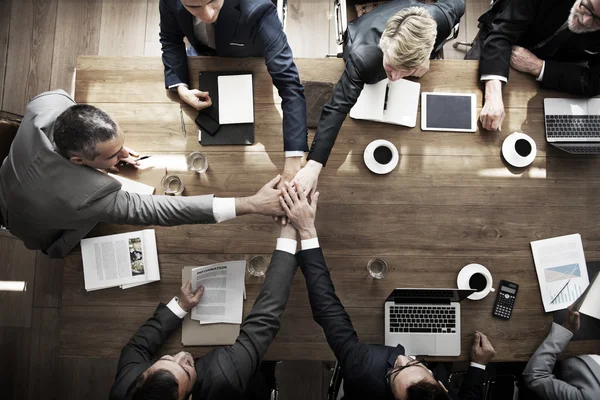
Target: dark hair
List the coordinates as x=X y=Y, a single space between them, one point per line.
x=80 y=128
x=157 y=385
x=424 y=390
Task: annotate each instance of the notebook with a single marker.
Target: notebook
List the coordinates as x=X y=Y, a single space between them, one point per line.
x=236 y=100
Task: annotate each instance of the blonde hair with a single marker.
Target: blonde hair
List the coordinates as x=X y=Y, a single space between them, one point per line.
x=408 y=38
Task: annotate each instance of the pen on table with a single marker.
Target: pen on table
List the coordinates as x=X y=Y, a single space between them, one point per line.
x=123 y=163
x=560 y=291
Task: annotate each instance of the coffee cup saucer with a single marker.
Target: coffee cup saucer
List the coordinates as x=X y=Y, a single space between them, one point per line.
x=373 y=165
x=462 y=281
x=510 y=154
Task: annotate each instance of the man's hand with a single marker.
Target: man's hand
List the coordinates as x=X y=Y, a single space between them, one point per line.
x=572 y=322
x=131 y=160
x=523 y=60
x=492 y=113
x=308 y=176
x=421 y=70
x=288 y=232
x=482 y=351
x=290 y=169
x=187 y=298
x=265 y=201
x=299 y=211
x=195 y=98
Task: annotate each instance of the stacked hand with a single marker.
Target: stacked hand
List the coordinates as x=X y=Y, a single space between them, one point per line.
x=300 y=212
x=308 y=176
x=266 y=200
x=188 y=298
x=482 y=351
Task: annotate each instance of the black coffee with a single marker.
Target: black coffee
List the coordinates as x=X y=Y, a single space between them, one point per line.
x=383 y=155
x=477 y=282
x=523 y=147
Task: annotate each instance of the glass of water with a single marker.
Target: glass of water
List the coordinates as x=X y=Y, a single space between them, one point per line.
x=258 y=266
x=378 y=268
x=197 y=162
x=172 y=184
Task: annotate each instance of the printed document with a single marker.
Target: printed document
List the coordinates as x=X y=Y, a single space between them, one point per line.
x=236 y=99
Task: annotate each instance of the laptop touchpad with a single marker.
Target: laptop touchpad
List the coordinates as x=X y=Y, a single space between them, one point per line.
x=423 y=345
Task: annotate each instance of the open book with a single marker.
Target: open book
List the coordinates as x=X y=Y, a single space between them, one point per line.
x=125 y=260
x=223 y=298
x=390 y=102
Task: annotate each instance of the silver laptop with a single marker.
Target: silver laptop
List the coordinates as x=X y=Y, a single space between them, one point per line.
x=425 y=321
x=573 y=125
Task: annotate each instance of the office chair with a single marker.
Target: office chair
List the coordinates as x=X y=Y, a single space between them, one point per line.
x=470 y=44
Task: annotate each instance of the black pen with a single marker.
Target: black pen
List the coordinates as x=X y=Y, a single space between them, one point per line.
x=143 y=158
x=123 y=163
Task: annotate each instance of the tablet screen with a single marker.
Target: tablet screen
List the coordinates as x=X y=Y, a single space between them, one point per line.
x=449 y=112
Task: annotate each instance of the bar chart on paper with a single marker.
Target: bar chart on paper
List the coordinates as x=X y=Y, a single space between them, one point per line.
x=568 y=295
x=563 y=284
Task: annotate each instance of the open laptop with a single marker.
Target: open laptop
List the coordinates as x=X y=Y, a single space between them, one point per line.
x=425 y=321
x=573 y=125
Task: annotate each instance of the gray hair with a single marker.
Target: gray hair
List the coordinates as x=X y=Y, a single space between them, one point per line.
x=80 y=128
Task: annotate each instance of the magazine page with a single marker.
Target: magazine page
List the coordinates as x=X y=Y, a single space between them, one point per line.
x=149 y=259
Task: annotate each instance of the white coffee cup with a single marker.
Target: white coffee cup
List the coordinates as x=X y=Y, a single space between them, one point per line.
x=474 y=275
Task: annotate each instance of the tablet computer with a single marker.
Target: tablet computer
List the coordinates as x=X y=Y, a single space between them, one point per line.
x=450 y=112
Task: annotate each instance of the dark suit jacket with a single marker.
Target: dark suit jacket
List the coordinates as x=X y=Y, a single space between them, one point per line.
x=363 y=366
x=225 y=372
x=364 y=63
x=527 y=23
x=244 y=28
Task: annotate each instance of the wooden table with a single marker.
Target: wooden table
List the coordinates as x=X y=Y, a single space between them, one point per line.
x=451 y=202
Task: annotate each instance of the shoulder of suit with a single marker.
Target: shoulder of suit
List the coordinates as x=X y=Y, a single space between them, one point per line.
x=254 y=9
x=367 y=61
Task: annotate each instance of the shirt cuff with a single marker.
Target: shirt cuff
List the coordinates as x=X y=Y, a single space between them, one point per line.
x=174 y=87
x=310 y=243
x=294 y=154
x=541 y=76
x=476 y=365
x=491 y=77
x=287 y=245
x=176 y=308
x=224 y=208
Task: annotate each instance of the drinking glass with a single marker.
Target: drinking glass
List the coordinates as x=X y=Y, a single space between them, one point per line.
x=172 y=184
x=378 y=268
x=258 y=266
x=197 y=162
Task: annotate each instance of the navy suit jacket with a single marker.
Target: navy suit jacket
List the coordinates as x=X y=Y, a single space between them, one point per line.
x=244 y=28
x=363 y=366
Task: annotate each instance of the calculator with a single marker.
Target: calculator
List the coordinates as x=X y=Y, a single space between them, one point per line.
x=505 y=299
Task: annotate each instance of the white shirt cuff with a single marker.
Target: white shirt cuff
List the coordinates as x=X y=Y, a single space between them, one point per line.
x=294 y=154
x=480 y=366
x=176 y=308
x=224 y=208
x=491 y=77
x=287 y=245
x=310 y=243
x=174 y=87
x=541 y=76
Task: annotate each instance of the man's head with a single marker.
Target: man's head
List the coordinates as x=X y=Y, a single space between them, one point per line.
x=86 y=135
x=206 y=11
x=411 y=379
x=585 y=16
x=407 y=42
x=170 y=378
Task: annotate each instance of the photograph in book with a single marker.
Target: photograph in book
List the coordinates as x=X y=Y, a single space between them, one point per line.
x=136 y=256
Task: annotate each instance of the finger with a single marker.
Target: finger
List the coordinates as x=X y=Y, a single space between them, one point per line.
x=284 y=205
x=495 y=122
x=292 y=192
x=501 y=121
x=201 y=94
x=287 y=198
x=187 y=286
x=132 y=152
x=273 y=182
x=199 y=293
x=300 y=190
x=283 y=221
x=314 y=200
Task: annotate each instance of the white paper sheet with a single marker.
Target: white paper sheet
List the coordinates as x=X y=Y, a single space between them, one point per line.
x=131 y=186
x=560 y=261
x=236 y=100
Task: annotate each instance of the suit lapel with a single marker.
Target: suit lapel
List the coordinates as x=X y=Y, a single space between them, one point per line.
x=227 y=24
x=186 y=21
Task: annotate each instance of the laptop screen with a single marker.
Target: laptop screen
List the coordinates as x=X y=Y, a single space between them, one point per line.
x=422 y=295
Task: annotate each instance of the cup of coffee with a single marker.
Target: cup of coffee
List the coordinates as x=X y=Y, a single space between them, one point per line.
x=381 y=156
x=477 y=277
x=519 y=150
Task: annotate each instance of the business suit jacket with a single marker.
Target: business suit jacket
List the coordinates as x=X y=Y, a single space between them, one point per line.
x=527 y=23
x=363 y=366
x=364 y=63
x=51 y=203
x=578 y=378
x=223 y=373
x=244 y=28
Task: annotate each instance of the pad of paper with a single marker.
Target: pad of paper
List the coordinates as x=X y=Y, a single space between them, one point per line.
x=236 y=101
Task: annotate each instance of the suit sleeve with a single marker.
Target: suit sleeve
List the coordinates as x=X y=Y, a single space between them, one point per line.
x=573 y=78
x=512 y=18
x=142 y=346
x=240 y=362
x=352 y=354
x=538 y=372
x=472 y=387
x=121 y=207
x=173 y=47
x=345 y=95
x=280 y=64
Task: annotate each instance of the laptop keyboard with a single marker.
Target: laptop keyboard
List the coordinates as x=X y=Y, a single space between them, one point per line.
x=572 y=126
x=579 y=149
x=422 y=319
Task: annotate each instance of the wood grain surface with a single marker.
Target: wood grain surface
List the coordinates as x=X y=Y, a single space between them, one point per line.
x=450 y=202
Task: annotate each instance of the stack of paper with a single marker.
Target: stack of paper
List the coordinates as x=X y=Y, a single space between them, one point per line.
x=132 y=186
x=224 y=292
x=125 y=260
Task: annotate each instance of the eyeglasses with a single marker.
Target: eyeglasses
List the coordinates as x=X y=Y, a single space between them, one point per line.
x=392 y=373
x=588 y=12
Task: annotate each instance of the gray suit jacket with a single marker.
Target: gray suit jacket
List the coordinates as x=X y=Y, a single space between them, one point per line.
x=225 y=372
x=51 y=203
x=579 y=376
